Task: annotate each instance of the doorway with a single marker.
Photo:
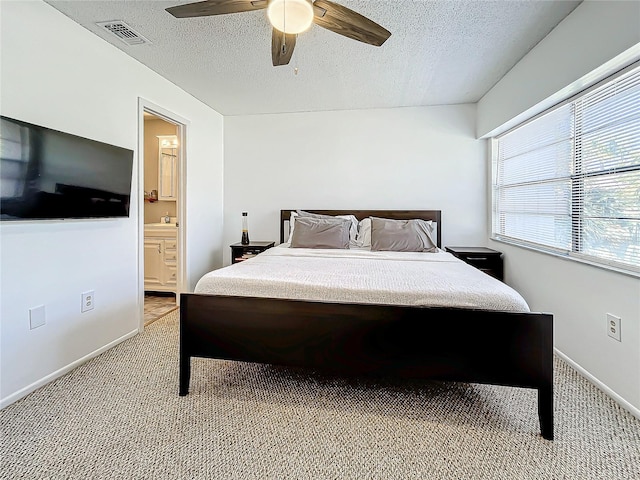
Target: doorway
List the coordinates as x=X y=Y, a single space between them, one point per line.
x=161 y=189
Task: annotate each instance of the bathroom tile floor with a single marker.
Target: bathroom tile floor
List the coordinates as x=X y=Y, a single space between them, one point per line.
x=156 y=305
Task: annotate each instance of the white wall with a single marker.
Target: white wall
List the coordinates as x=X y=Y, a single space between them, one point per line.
x=57 y=74
x=403 y=158
x=578 y=295
x=581 y=50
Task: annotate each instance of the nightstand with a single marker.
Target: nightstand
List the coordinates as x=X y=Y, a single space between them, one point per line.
x=483 y=258
x=241 y=252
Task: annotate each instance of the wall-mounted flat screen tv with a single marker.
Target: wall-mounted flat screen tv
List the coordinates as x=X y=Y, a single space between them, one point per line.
x=46 y=174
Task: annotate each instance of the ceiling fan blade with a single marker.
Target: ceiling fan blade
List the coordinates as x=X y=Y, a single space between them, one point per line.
x=282 y=46
x=216 y=7
x=346 y=22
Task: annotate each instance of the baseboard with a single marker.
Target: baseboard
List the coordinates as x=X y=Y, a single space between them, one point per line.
x=623 y=403
x=14 y=397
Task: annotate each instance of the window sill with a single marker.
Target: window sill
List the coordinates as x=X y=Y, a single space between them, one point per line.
x=610 y=268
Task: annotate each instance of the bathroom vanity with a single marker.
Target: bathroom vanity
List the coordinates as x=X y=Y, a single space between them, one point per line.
x=160 y=257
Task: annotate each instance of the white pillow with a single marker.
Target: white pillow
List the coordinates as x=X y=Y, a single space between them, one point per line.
x=353 y=231
x=292 y=221
x=363 y=239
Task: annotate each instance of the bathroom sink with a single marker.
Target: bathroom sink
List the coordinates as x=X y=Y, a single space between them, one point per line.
x=160 y=225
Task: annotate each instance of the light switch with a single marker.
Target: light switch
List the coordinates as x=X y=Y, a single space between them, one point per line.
x=36 y=317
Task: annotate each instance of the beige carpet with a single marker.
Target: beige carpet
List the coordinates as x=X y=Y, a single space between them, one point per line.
x=119 y=417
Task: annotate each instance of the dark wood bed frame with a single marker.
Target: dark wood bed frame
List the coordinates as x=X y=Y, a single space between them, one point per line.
x=449 y=344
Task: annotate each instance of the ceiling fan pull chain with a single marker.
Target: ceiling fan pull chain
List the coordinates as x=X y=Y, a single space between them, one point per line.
x=295 y=70
x=284 y=43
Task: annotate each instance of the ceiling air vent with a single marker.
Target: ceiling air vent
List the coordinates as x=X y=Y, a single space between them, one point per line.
x=124 y=32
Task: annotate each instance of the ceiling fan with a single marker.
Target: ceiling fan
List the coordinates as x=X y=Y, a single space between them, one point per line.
x=290 y=17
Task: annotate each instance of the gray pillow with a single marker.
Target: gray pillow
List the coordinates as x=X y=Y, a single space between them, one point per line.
x=321 y=233
x=401 y=235
x=353 y=231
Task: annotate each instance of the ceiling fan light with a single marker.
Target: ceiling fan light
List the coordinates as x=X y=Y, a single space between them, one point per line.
x=290 y=16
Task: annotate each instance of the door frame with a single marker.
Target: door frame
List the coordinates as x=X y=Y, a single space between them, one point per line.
x=182 y=125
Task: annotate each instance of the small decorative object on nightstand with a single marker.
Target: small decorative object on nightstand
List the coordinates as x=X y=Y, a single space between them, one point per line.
x=241 y=252
x=245 y=229
x=483 y=258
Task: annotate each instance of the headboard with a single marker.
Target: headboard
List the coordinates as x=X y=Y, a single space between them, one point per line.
x=433 y=215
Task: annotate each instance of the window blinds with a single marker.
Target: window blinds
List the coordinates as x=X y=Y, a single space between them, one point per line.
x=569 y=180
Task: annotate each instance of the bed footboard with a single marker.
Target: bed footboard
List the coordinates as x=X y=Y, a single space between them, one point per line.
x=475 y=346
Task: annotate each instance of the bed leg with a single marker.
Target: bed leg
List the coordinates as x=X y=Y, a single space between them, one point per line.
x=545 y=411
x=185 y=374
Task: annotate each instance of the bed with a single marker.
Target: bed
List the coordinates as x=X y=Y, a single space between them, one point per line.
x=501 y=343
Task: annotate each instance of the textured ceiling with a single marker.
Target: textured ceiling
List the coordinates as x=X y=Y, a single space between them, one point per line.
x=440 y=52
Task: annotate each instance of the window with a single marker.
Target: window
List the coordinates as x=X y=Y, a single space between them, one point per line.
x=568 y=181
x=14 y=152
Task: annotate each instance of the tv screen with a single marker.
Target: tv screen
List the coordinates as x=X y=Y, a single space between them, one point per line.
x=47 y=174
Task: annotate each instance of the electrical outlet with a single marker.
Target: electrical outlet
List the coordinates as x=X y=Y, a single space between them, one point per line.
x=87 y=301
x=613 y=327
x=36 y=317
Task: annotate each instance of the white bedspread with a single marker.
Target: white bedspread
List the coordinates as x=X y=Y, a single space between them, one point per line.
x=362 y=276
